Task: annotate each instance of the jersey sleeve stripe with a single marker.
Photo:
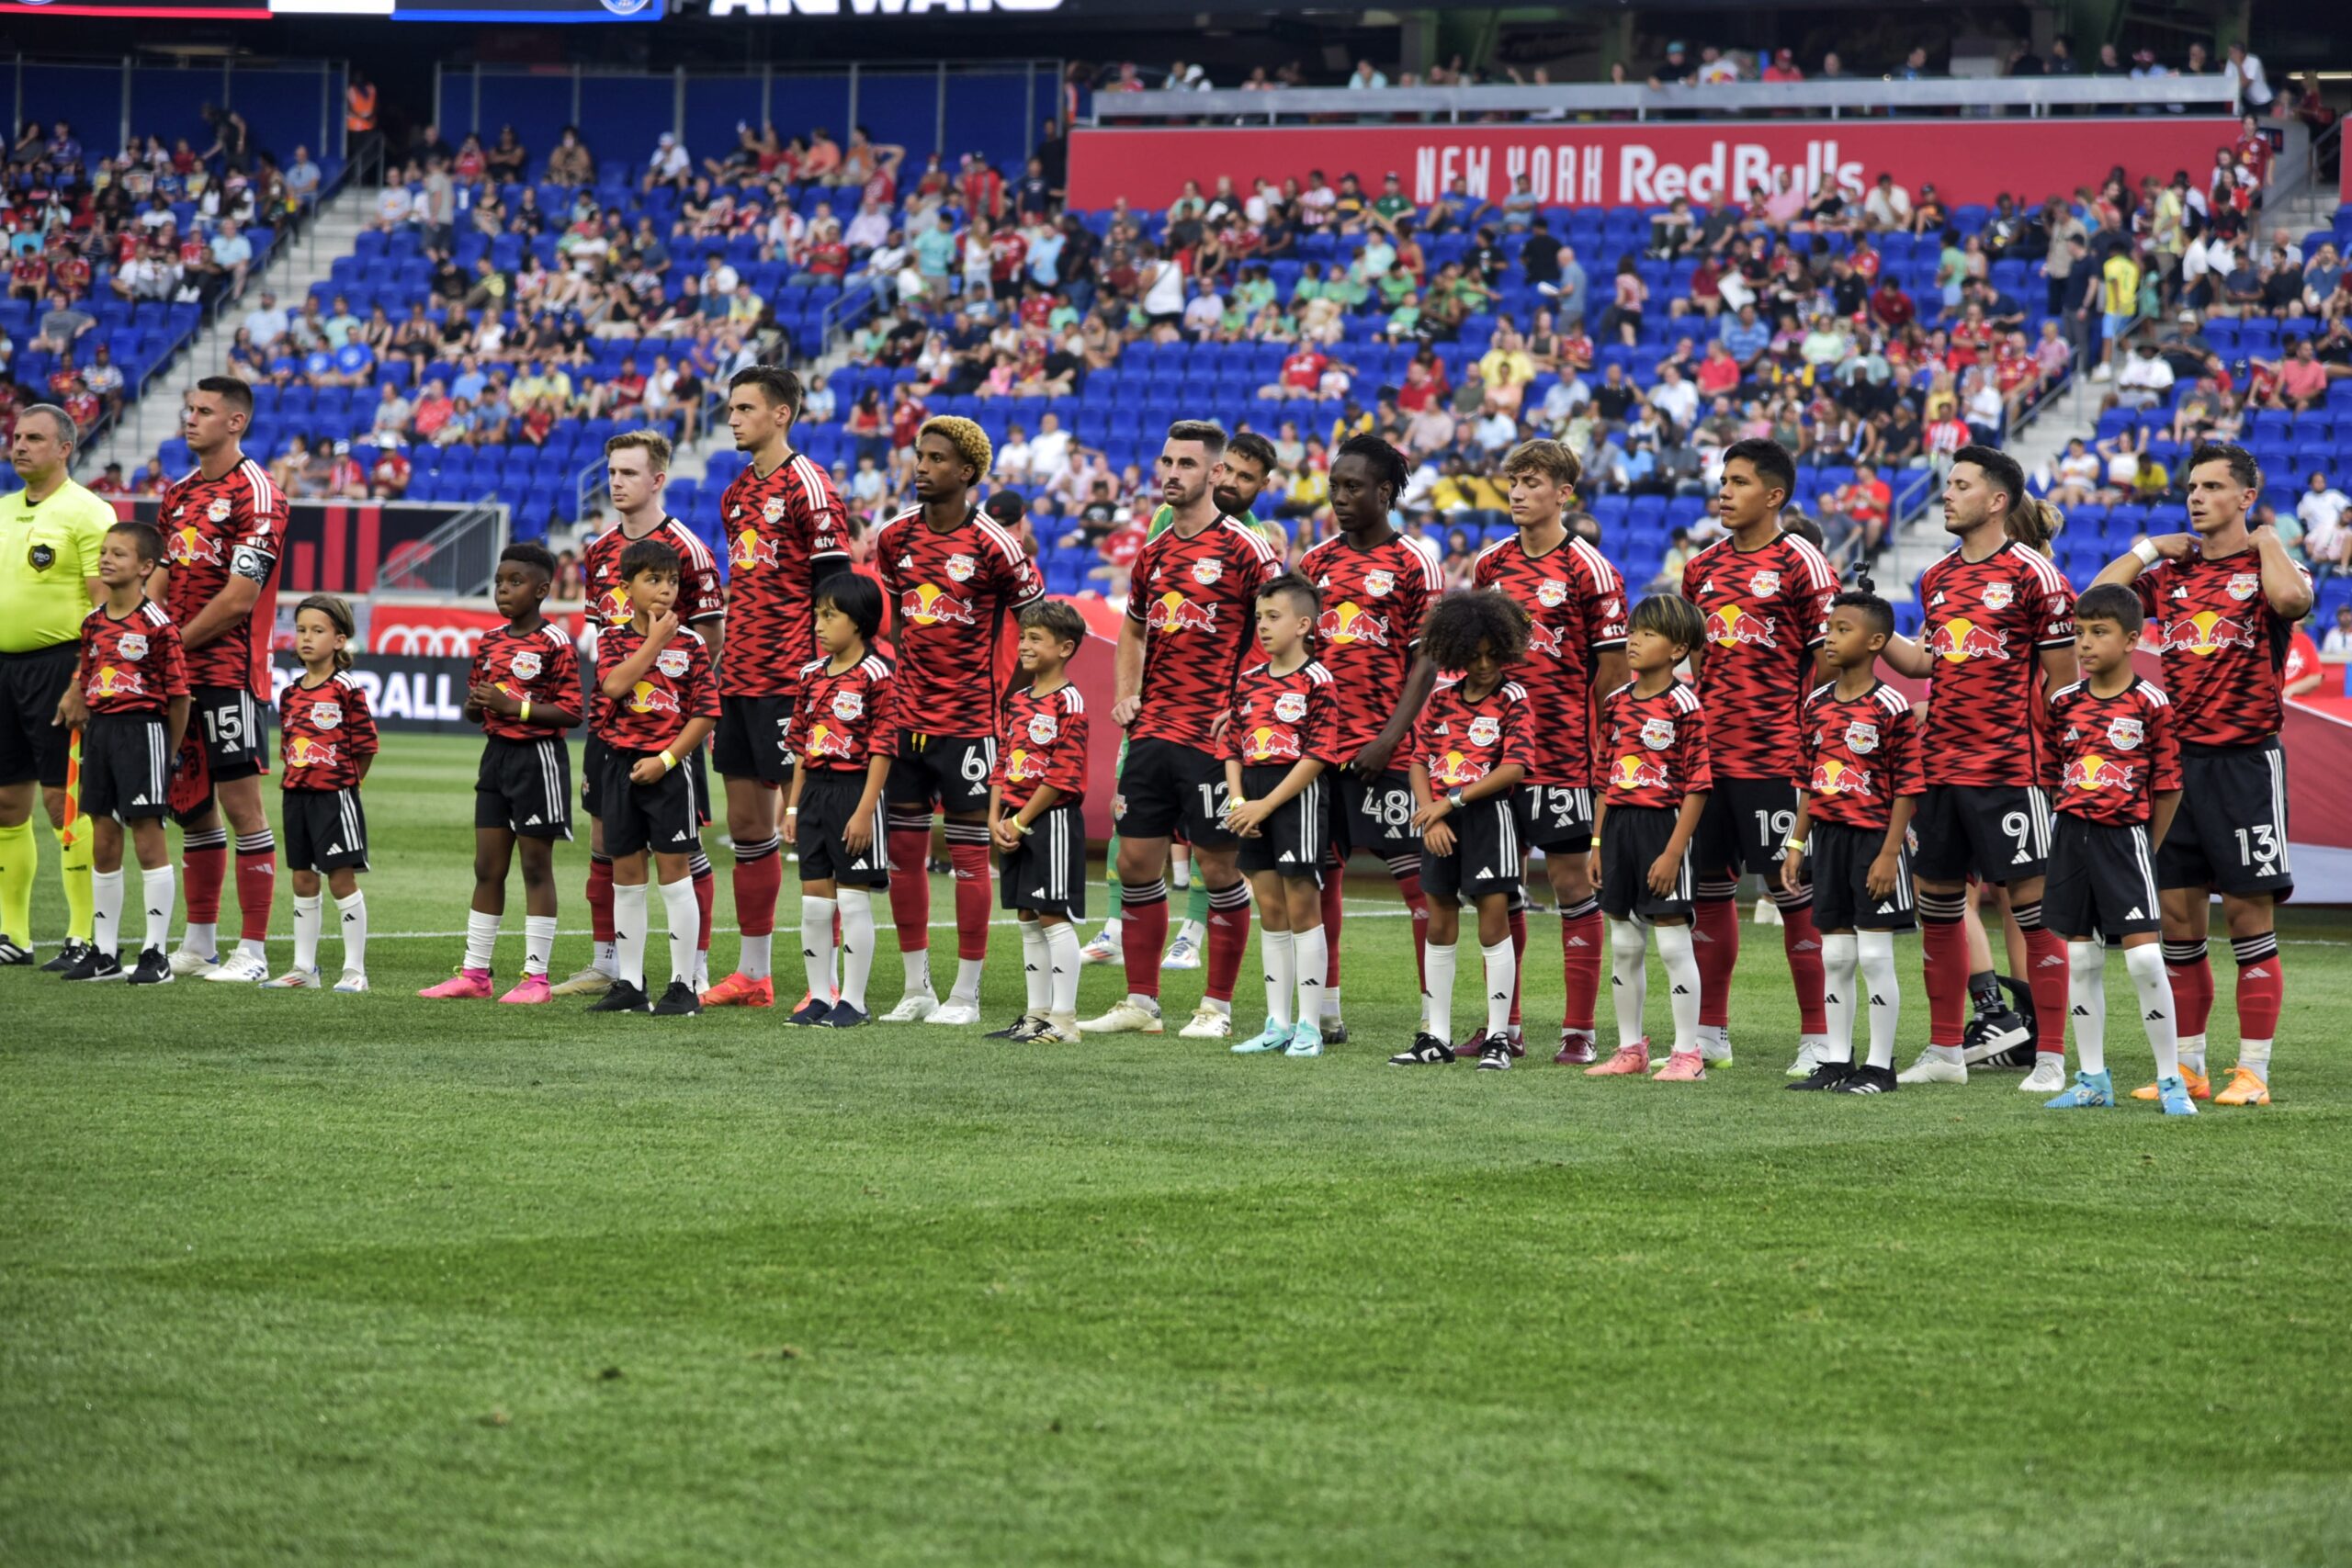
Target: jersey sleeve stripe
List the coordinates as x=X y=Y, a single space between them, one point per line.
x=1604 y=576
x=1258 y=545
x=1005 y=543
x=1514 y=690
x=1490 y=550
x=1072 y=701
x=1817 y=564
x=1686 y=699
x=690 y=546
x=1432 y=569
x=1892 y=700
x=266 y=500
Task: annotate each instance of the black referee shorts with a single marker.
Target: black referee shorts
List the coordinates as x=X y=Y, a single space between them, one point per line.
x=32 y=750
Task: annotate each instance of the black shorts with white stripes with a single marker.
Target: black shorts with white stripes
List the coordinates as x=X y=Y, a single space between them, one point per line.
x=126 y=768
x=233 y=729
x=1293 y=841
x=1838 y=857
x=949 y=772
x=1047 y=875
x=2230 y=831
x=1992 y=832
x=525 y=786
x=1632 y=840
x=2102 y=880
x=326 y=830
x=1556 y=819
x=1487 y=854
x=829 y=798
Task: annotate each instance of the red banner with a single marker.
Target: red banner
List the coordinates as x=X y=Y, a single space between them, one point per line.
x=1651 y=164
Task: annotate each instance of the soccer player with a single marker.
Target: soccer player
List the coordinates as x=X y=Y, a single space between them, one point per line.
x=843 y=729
x=2113 y=772
x=223 y=524
x=786 y=535
x=1858 y=742
x=326 y=743
x=1375 y=587
x=523 y=691
x=1042 y=839
x=654 y=676
x=1469 y=757
x=1763 y=594
x=2225 y=598
x=130 y=697
x=1999 y=631
x=636 y=471
x=1576 y=605
x=1187 y=629
x=1282 y=739
x=953 y=576
x=1659 y=773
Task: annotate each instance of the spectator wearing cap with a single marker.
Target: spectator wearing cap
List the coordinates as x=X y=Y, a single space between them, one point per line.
x=1392 y=206
x=670 y=165
x=1783 y=67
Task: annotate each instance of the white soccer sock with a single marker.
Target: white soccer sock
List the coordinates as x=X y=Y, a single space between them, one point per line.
x=608 y=955
x=539 y=943
x=105 y=912
x=1180 y=871
x=1440 y=963
x=629 y=933
x=857 y=947
x=753 y=963
x=1877 y=949
x=253 y=947
x=1111 y=925
x=817 y=945
x=1036 y=971
x=2254 y=1055
x=1682 y=983
x=1629 y=978
x=1502 y=972
x=2086 y=1002
x=1279 y=958
x=201 y=938
x=967 y=975
x=307 y=912
x=917 y=967
x=354 y=913
x=1310 y=956
x=2147 y=962
x=481 y=938
x=2192 y=1054
x=1840 y=957
x=685 y=918
x=1192 y=931
x=161 y=886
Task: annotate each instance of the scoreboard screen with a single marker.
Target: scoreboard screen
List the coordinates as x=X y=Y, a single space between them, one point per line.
x=184 y=10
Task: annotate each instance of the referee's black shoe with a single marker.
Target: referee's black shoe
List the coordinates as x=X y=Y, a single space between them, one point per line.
x=13 y=956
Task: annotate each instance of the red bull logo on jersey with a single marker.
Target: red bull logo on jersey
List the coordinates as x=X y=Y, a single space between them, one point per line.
x=1380 y=584
x=1270 y=743
x=1638 y=773
x=750 y=550
x=189 y=544
x=825 y=741
x=326 y=715
x=526 y=666
x=1657 y=734
x=673 y=662
x=2126 y=734
x=1552 y=592
x=1731 y=626
x=1291 y=707
x=1861 y=738
x=1833 y=777
x=1207 y=573
x=1485 y=730
x=1349 y=622
x=2093 y=771
x=112 y=682
x=613 y=606
x=132 y=646
x=1765 y=583
x=1044 y=727
x=1960 y=640
x=931 y=606
x=1999 y=596
x=1453 y=770
x=2244 y=585
x=1025 y=766
x=1173 y=613
x=2205 y=634
x=301 y=752
x=647 y=697
x=961 y=568
x=1541 y=638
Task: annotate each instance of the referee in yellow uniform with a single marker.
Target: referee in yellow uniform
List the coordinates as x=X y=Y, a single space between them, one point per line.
x=50 y=534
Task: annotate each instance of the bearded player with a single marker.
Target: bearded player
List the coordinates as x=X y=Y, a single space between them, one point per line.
x=951 y=578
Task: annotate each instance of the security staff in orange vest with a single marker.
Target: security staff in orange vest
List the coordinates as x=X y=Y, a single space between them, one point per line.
x=358 y=116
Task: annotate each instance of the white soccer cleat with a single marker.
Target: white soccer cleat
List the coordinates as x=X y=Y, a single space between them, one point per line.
x=297 y=981
x=1125 y=1017
x=1182 y=954
x=954 y=1011
x=1714 y=1047
x=1808 y=1058
x=2049 y=1076
x=187 y=961
x=353 y=984
x=1935 y=1070
x=591 y=982
x=914 y=1007
x=1106 y=946
x=1208 y=1023
x=240 y=969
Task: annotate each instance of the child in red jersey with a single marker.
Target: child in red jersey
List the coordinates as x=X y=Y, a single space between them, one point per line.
x=326 y=741
x=844 y=734
x=1470 y=754
x=1041 y=840
x=131 y=696
x=2113 y=774
x=661 y=702
x=1656 y=774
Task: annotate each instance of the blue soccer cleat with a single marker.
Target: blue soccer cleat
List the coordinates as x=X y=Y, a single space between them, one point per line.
x=2172 y=1094
x=2091 y=1091
x=1305 y=1041
x=812 y=1013
x=1273 y=1037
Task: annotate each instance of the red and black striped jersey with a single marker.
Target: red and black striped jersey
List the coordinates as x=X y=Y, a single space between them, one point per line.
x=1373 y=603
x=1043 y=742
x=1987 y=623
x=213 y=530
x=1459 y=741
x=701 y=596
x=1575 y=604
x=134 y=664
x=951 y=594
x=2224 y=648
x=676 y=687
x=1766 y=611
x=1197 y=600
x=327 y=732
x=1282 y=719
x=1858 y=755
x=1655 y=747
x=2109 y=757
x=843 y=721
x=537 y=665
x=779 y=526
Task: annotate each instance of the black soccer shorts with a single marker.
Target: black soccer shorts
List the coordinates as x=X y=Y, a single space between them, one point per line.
x=1839 y=857
x=1294 y=839
x=1487 y=854
x=1168 y=790
x=1994 y=832
x=750 y=740
x=2230 y=831
x=126 y=766
x=1743 y=826
x=828 y=802
x=2102 y=880
x=1047 y=875
x=326 y=830
x=1631 y=839
x=950 y=773
x=525 y=786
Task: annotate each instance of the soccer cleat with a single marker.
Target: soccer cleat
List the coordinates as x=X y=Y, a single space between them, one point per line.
x=353 y=984
x=1714 y=1047
x=2048 y=1076
x=466 y=985
x=1427 y=1050
x=1866 y=1081
x=1208 y=1023
x=296 y=980
x=2247 y=1088
x=529 y=991
x=1104 y=947
x=1475 y=1044
x=1335 y=1032
x=1305 y=1041
x=1576 y=1048
x=95 y=965
x=1273 y=1037
x=1824 y=1075
x=240 y=968
x=916 y=1006
x=740 y=990
x=1807 y=1064
x=2199 y=1087
x=1626 y=1061
x=1683 y=1066
x=587 y=983
x=14 y=953
x=1182 y=954
x=187 y=961
x=1062 y=1031
x=2172 y=1095
x=1125 y=1017
x=621 y=997
x=1993 y=1038
x=67 y=956
x=1932 y=1068
x=153 y=969
x=2092 y=1092
x=811 y=1013
x=955 y=1012
x=680 y=1000
x=1020 y=1028
x=842 y=1015
x=1494 y=1057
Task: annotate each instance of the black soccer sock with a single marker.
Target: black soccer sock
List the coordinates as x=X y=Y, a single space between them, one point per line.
x=1984 y=990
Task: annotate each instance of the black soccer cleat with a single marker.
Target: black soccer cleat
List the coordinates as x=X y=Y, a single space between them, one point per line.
x=1020 y=1028
x=154 y=969
x=1427 y=1050
x=1864 y=1080
x=67 y=956
x=1335 y=1032
x=622 y=998
x=95 y=965
x=811 y=1013
x=12 y=955
x=681 y=1000
x=1997 y=1039
x=843 y=1016
x=1824 y=1075
x=1495 y=1056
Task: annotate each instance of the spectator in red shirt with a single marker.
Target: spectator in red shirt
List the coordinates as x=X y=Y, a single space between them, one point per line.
x=1718 y=372
x=390 y=482
x=1890 y=307
x=28 y=277
x=1302 y=374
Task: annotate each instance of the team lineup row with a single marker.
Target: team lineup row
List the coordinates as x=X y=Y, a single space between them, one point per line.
x=1276 y=721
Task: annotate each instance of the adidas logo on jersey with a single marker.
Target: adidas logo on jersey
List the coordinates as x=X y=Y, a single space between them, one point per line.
x=533 y=821
x=140 y=801
x=335 y=849
x=1936 y=601
x=2135 y=914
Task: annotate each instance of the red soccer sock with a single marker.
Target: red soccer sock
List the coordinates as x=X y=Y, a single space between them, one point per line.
x=757 y=882
x=706 y=893
x=1802 y=941
x=1333 y=879
x=2262 y=986
x=2192 y=974
x=2046 y=950
x=1715 y=940
x=257 y=885
x=1943 y=944
x=1228 y=937
x=1581 y=939
x=971 y=863
x=1519 y=959
x=1409 y=884
x=1143 y=921
x=910 y=850
x=204 y=869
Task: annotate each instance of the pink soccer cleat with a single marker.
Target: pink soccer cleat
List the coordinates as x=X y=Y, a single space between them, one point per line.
x=1683 y=1066
x=533 y=988
x=1625 y=1062
x=466 y=985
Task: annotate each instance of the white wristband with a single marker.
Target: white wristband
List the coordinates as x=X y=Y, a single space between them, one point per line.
x=2147 y=552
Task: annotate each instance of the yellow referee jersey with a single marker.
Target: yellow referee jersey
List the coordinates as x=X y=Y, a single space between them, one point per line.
x=46 y=553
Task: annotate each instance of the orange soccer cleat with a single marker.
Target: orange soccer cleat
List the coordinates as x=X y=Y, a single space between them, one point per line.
x=2199 y=1086
x=1626 y=1061
x=740 y=990
x=2247 y=1088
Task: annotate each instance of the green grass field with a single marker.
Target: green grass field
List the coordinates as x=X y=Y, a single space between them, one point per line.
x=304 y=1278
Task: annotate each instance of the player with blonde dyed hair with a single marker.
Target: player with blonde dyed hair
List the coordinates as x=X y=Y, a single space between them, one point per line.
x=971 y=442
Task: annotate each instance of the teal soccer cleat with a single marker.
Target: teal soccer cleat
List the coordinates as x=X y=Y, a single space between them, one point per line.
x=2091 y=1091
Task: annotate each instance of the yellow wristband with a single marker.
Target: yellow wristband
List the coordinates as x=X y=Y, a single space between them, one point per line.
x=668 y=761
x=527 y=710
